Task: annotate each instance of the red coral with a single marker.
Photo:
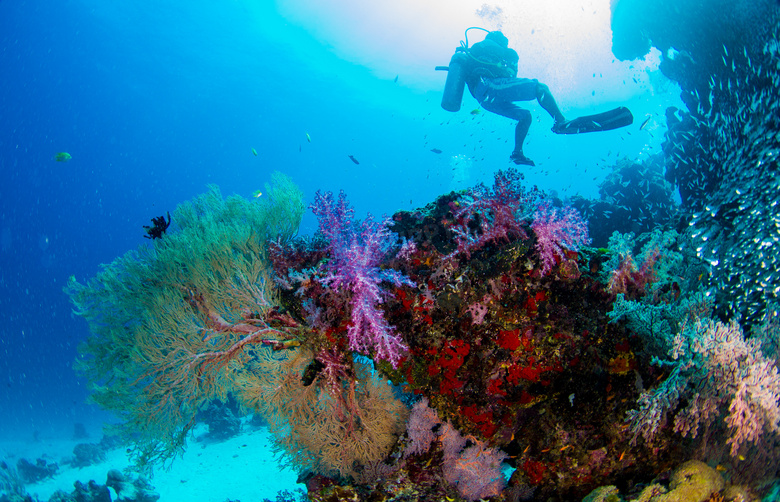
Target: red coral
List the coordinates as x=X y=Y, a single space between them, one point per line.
x=452 y=356
x=494 y=387
x=483 y=420
x=535 y=471
x=450 y=383
x=509 y=340
x=529 y=373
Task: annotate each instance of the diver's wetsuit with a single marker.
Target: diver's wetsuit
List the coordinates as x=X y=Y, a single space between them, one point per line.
x=492 y=80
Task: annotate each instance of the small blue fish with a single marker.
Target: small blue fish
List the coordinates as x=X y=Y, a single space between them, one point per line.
x=353 y=159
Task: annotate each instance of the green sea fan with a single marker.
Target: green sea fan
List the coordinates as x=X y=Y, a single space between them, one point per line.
x=169 y=320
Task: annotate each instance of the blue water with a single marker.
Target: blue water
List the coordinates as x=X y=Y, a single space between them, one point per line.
x=156 y=100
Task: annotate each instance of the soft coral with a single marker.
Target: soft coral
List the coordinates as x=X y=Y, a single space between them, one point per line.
x=356 y=250
x=556 y=229
x=497 y=213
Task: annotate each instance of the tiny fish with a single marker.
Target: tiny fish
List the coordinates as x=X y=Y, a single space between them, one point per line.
x=647 y=120
x=308 y=138
x=62 y=157
x=254 y=152
x=475 y=111
x=257 y=193
x=395 y=80
x=435 y=150
x=353 y=159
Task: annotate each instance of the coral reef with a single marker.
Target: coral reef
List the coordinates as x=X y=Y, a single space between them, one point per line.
x=11 y=483
x=136 y=490
x=40 y=470
x=634 y=198
x=124 y=489
x=517 y=347
x=693 y=481
x=85 y=454
x=83 y=492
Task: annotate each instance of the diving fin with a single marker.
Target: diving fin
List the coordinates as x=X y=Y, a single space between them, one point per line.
x=606 y=121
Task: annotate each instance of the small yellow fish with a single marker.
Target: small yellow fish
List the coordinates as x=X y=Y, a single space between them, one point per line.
x=254 y=152
x=257 y=193
x=308 y=138
x=62 y=157
x=476 y=111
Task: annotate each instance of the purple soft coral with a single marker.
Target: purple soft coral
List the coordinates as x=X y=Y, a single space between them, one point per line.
x=555 y=229
x=497 y=211
x=356 y=251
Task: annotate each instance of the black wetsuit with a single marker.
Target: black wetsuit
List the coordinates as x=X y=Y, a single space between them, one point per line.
x=492 y=80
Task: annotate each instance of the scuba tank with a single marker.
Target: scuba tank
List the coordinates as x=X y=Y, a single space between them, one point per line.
x=456 y=82
x=456 y=75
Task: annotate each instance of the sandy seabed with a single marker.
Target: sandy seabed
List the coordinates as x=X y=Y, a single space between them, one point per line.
x=241 y=468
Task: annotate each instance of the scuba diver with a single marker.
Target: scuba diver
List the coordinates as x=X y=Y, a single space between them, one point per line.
x=489 y=68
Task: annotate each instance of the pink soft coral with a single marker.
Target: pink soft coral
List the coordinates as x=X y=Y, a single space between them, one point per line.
x=556 y=229
x=497 y=213
x=422 y=421
x=356 y=251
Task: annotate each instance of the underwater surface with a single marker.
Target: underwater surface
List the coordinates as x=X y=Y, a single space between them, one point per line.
x=226 y=218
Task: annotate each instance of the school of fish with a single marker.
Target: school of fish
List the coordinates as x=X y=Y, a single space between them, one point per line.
x=736 y=225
